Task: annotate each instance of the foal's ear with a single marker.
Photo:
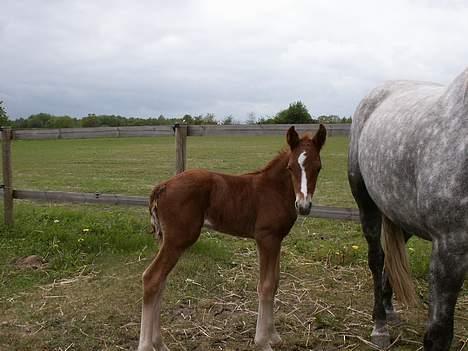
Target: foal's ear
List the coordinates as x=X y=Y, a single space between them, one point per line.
x=320 y=136
x=292 y=138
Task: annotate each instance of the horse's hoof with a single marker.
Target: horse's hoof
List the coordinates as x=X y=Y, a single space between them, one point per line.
x=381 y=340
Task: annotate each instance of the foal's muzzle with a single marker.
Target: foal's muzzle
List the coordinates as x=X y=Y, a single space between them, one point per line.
x=303 y=207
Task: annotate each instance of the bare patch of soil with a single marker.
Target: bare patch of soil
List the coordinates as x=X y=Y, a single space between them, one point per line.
x=31 y=262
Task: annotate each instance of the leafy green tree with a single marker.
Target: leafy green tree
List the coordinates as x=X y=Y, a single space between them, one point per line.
x=3 y=115
x=346 y=119
x=90 y=121
x=39 y=120
x=296 y=113
x=266 y=120
x=333 y=119
x=62 y=122
x=187 y=119
x=209 y=118
x=228 y=120
x=329 y=119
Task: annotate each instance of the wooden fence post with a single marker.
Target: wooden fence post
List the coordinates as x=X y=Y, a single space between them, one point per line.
x=181 y=147
x=7 y=176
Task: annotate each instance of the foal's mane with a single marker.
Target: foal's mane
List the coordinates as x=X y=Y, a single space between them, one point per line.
x=281 y=154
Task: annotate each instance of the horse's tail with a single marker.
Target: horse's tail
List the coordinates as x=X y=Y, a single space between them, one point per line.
x=397 y=262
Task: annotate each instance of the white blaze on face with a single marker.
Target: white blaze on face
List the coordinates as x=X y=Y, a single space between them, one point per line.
x=301 y=159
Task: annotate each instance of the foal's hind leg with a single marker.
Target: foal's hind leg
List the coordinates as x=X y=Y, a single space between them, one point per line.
x=154 y=279
x=175 y=242
x=449 y=265
x=269 y=254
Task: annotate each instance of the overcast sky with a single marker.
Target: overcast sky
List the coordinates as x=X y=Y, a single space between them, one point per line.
x=146 y=58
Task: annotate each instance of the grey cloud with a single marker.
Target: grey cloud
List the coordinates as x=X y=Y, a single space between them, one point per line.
x=161 y=57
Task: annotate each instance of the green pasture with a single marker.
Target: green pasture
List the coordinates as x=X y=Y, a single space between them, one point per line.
x=133 y=165
x=87 y=296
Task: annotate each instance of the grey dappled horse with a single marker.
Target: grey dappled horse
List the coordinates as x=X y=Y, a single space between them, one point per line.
x=408 y=171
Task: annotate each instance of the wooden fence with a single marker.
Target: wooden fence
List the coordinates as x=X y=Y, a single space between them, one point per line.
x=192 y=130
x=180 y=131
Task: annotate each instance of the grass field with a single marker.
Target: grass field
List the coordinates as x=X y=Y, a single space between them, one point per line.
x=88 y=294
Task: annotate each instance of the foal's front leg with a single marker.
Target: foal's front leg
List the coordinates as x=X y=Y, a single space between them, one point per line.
x=268 y=248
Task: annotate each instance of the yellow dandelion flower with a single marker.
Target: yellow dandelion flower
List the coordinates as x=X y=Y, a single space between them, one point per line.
x=355 y=247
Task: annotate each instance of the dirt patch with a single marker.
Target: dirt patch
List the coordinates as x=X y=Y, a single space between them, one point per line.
x=31 y=262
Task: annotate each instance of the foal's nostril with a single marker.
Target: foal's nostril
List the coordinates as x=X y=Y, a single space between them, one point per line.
x=296 y=204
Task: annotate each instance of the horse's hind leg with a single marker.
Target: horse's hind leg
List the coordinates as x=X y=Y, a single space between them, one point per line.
x=371 y=221
x=269 y=255
x=387 y=296
x=449 y=265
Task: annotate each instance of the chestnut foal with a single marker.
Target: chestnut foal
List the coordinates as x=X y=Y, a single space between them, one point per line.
x=261 y=205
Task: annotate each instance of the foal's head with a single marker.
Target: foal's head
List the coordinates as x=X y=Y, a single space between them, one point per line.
x=304 y=166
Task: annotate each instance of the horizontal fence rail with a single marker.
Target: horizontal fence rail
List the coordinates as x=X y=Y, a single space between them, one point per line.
x=263 y=129
x=114 y=199
x=88 y=133
x=167 y=130
x=84 y=198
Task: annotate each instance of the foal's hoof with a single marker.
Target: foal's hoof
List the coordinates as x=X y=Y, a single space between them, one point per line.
x=160 y=346
x=275 y=339
x=145 y=347
x=263 y=344
x=264 y=347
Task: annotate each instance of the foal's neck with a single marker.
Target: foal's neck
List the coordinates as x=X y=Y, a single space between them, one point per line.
x=276 y=171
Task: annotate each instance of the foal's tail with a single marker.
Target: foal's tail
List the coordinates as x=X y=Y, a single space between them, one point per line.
x=397 y=263
x=153 y=209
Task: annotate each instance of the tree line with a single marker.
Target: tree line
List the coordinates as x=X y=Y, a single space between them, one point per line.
x=296 y=113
